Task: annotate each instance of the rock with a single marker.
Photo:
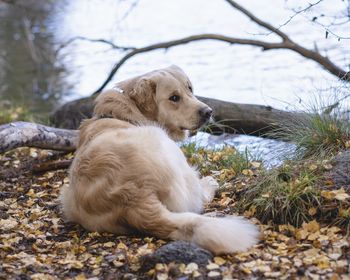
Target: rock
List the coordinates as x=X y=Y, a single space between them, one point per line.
x=177 y=251
x=340 y=173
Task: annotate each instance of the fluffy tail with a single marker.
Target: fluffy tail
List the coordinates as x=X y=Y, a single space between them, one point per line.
x=219 y=235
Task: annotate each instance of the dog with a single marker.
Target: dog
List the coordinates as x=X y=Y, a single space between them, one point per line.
x=129 y=176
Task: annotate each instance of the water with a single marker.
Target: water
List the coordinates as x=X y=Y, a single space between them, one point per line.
x=271 y=152
x=39 y=69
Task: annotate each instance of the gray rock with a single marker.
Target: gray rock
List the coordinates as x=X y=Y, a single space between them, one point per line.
x=340 y=173
x=179 y=252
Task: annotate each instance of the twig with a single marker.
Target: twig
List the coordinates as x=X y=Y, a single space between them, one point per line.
x=258 y=21
x=52 y=165
x=104 y=41
x=299 y=12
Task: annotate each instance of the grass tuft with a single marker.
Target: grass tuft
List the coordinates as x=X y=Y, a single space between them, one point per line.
x=9 y=113
x=322 y=130
x=316 y=135
x=295 y=193
x=224 y=163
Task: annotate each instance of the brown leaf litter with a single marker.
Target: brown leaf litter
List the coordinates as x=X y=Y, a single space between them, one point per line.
x=35 y=243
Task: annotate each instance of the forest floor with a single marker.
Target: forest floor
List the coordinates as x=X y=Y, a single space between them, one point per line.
x=36 y=243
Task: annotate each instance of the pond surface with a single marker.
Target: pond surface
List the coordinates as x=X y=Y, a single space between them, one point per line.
x=43 y=63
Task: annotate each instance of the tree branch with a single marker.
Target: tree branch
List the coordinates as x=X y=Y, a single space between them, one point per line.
x=104 y=41
x=24 y=134
x=185 y=40
x=287 y=44
x=257 y=20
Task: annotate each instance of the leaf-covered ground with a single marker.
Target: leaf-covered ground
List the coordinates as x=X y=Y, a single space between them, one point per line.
x=35 y=243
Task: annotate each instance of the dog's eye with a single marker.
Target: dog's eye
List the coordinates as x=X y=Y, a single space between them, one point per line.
x=190 y=88
x=174 y=98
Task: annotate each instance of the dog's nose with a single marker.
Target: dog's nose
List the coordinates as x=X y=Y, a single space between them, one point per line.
x=205 y=112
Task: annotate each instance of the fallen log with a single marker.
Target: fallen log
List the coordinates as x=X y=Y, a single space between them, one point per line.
x=229 y=117
x=25 y=134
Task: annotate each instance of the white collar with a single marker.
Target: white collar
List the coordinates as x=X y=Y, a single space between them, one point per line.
x=118 y=89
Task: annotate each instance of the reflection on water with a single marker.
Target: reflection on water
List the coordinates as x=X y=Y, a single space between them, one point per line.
x=31 y=74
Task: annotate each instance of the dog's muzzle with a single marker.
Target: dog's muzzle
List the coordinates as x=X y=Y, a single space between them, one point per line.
x=205 y=114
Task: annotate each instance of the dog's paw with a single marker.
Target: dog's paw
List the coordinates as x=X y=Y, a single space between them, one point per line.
x=210 y=185
x=210 y=182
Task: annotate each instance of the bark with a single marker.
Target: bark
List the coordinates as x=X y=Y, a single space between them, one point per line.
x=228 y=116
x=249 y=119
x=20 y=134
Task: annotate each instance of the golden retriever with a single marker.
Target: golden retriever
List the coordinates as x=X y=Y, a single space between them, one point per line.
x=130 y=176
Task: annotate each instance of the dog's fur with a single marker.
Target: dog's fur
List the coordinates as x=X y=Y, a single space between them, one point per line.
x=129 y=176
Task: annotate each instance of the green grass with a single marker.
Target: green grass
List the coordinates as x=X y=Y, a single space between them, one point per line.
x=284 y=195
x=293 y=194
x=316 y=135
x=322 y=130
x=9 y=113
x=224 y=163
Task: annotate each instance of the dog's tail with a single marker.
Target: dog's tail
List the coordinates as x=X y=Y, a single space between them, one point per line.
x=219 y=235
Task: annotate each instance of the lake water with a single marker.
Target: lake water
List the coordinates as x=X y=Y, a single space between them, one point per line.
x=39 y=69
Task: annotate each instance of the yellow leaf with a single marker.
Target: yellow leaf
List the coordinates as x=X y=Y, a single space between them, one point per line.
x=255 y=164
x=214 y=274
x=122 y=246
x=312 y=211
x=7 y=224
x=312 y=226
x=327 y=194
x=190 y=268
x=247 y=172
x=301 y=234
x=219 y=261
x=162 y=276
x=313 y=167
x=340 y=195
x=80 y=277
x=327 y=166
x=109 y=244
x=118 y=263
x=212 y=266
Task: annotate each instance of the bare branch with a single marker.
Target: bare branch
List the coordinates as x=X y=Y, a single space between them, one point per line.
x=104 y=41
x=288 y=44
x=329 y=31
x=185 y=40
x=297 y=12
x=257 y=20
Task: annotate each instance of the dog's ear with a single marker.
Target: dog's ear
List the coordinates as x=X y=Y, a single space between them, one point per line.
x=144 y=94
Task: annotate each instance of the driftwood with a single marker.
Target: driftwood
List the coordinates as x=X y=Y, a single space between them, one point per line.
x=24 y=134
x=228 y=116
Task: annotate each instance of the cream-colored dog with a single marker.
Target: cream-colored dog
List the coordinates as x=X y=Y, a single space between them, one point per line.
x=129 y=175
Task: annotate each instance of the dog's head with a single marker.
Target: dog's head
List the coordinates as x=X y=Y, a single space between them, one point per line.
x=164 y=96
